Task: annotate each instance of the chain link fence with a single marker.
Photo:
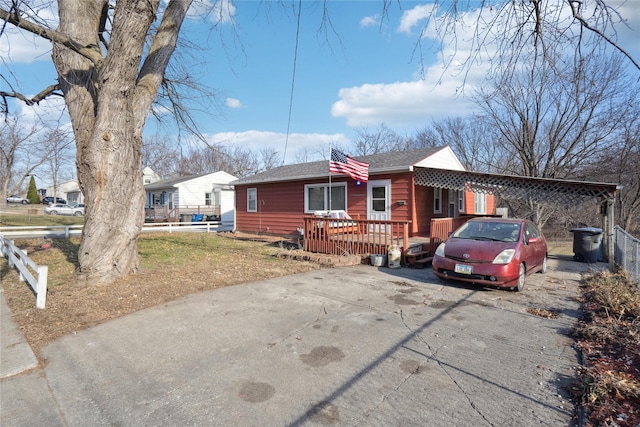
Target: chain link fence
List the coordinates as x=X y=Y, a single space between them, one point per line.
x=627 y=253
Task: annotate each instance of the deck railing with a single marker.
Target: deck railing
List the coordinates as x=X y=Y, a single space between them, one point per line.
x=441 y=228
x=353 y=236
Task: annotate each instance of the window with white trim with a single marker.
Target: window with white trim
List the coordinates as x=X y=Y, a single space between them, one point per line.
x=316 y=197
x=207 y=199
x=480 y=201
x=252 y=200
x=460 y=201
x=437 y=200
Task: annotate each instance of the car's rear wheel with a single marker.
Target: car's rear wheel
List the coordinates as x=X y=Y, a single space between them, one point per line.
x=77 y=214
x=521 y=276
x=24 y=202
x=54 y=212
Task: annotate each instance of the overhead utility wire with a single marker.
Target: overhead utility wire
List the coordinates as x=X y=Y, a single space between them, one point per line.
x=293 y=80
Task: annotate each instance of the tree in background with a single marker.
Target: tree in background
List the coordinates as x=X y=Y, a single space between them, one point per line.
x=22 y=150
x=32 y=193
x=619 y=163
x=553 y=120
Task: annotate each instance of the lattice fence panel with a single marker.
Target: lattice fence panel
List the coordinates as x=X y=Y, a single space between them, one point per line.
x=515 y=187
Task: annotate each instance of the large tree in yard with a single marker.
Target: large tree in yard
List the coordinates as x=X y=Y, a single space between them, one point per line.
x=111 y=57
x=109 y=78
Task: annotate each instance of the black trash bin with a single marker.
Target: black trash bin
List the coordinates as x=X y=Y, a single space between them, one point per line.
x=586 y=244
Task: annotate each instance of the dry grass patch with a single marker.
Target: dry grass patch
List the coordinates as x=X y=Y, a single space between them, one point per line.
x=173 y=265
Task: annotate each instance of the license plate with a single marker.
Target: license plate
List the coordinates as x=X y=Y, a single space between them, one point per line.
x=463 y=269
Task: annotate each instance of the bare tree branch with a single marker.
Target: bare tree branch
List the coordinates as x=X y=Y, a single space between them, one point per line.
x=48 y=91
x=90 y=52
x=575 y=11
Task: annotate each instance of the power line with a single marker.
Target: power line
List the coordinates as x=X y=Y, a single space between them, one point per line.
x=293 y=80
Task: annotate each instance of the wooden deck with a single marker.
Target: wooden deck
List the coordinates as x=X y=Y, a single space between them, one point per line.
x=366 y=237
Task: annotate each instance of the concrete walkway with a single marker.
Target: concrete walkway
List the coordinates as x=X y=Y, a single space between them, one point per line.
x=352 y=346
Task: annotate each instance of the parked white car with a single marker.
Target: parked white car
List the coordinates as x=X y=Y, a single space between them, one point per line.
x=17 y=199
x=60 y=209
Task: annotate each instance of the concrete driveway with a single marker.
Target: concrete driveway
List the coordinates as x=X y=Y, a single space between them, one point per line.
x=353 y=346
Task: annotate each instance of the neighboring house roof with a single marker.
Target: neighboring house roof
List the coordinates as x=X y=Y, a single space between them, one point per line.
x=219 y=177
x=395 y=161
x=64 y=187
x=149 y=175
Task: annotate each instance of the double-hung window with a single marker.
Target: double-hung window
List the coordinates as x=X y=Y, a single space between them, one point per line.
x=321 y=197
x=252 y=200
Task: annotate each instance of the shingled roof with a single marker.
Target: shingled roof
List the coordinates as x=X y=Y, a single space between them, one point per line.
x=395 y=161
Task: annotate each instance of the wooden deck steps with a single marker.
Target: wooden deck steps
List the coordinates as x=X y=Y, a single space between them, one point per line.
x=418 y=256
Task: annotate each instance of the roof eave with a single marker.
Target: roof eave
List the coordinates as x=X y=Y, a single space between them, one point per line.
x=376 y=171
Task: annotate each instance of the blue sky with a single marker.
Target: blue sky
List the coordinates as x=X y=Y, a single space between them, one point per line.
x=362 y=73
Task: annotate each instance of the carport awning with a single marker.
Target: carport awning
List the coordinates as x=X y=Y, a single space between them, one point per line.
x=516 y=187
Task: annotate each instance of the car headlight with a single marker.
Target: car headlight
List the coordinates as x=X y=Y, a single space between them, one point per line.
x=440 y=250
x=504 y=257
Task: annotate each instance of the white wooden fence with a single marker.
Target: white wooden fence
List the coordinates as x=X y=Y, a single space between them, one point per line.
x=27 y=268
x=35 y=275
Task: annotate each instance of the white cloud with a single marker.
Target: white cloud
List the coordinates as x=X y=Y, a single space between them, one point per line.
x=314 y=143
x=19 y=46
x=435 y=92
x=233 y=103
x=370 y=21
x=411 y=18
x=217 y=11
x=400 y=104
x=50 y=112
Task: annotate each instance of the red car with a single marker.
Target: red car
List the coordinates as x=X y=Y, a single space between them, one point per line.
x=492 y=252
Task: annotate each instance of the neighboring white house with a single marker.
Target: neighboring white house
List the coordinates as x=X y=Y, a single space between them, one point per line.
x=207 y=193
x=68 y=190
x=149 y=176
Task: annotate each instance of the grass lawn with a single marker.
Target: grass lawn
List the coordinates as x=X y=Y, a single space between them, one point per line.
x=25 y=219
x=172 y=265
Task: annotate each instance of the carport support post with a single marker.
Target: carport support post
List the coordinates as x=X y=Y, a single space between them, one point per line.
x=608 y=221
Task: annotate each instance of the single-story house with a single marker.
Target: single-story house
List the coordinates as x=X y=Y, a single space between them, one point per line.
x=206 y=194
x=277 y=200
x=68 y=190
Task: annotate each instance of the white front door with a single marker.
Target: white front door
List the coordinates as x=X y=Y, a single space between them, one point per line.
x=379 y=200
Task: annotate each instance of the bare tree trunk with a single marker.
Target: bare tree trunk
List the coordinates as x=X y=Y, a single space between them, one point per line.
x=108 y=99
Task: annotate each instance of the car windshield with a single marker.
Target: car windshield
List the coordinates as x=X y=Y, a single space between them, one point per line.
x=489 y=230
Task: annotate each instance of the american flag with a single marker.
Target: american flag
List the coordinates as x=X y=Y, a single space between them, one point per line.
x=341 y=163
